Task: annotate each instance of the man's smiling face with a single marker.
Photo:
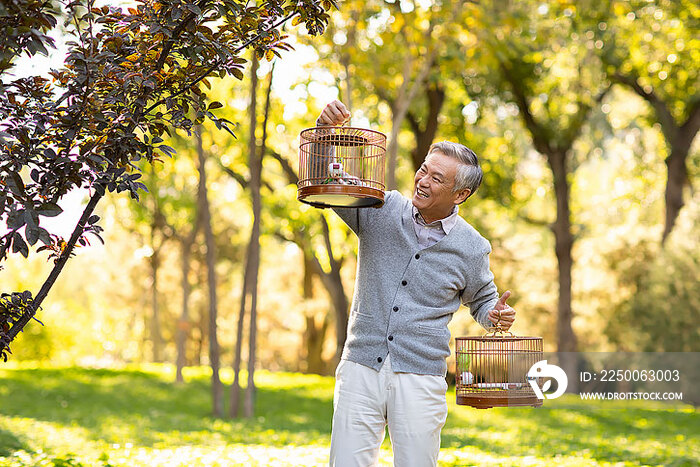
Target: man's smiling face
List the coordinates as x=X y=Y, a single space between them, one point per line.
x=433 y=185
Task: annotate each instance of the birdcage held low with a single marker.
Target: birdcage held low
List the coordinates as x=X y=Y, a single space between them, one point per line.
x=492 y=370
x=341 y=167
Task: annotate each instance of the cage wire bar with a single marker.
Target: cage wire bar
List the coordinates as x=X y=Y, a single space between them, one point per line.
x=341 y=167
x=492 y=370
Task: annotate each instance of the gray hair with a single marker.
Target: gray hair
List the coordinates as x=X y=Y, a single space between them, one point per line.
x=469 y=174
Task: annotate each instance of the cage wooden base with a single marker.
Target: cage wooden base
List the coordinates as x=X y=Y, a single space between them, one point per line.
x=349 y=196
x=490 y=400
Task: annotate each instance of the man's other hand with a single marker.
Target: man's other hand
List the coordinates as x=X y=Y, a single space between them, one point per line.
x=502 y=316
x=333 y=114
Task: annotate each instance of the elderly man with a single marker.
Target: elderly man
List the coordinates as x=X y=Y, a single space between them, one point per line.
x=418 y=260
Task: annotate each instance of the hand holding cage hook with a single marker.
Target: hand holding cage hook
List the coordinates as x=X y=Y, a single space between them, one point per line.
x=502 y=316
x=334 y=114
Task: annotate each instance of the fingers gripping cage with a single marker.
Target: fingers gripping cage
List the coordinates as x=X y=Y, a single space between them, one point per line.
x=492 y=370
x=341 y=167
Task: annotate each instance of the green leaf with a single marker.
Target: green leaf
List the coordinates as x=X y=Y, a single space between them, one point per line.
x=44 y=236
x=16 y=184
x=166 y=149
x=19 y=245
x=32 y=234
x=49 y=210
x=237 y=73
x=31 y=217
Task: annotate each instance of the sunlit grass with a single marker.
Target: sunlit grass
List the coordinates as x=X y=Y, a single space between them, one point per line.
x=137 y=416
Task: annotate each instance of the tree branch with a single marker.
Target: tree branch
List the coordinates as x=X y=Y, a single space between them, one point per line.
x=413 y=122
x=242 y=181
x=327 y=241
x=570 y=134
x=533 y=221
x=540 y=141
x=668 y=124
x=218 y=64
x=286 y=166
x=692 y=125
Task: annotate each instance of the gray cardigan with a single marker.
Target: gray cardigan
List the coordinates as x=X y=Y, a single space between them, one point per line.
x=405 y=296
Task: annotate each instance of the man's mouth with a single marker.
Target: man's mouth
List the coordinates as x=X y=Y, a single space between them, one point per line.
x=421 y=193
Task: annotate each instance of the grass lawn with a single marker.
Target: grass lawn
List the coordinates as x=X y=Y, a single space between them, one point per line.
x=72 y=417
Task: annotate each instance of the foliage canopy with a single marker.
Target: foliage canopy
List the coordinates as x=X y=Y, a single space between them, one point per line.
x=129 y=77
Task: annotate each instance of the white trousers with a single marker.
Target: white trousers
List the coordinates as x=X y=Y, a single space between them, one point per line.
x=365 y=401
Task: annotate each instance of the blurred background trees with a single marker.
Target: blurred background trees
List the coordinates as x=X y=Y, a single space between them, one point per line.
x=584 y=115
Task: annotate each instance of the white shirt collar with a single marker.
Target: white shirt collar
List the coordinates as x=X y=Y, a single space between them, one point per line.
x=447 y=223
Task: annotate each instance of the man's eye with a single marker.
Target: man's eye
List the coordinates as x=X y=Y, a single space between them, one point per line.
x=437 y=180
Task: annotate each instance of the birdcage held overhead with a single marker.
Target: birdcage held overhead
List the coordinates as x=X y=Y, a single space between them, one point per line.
x=341 y=167
x=492 y=370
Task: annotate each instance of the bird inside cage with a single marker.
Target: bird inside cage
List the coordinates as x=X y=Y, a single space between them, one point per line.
x=492 y=370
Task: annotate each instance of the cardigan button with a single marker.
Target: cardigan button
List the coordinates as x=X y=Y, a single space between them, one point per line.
x=396 y=308
x=391 y=338
x=404 y=282
x=379 y=359
x=417 y=256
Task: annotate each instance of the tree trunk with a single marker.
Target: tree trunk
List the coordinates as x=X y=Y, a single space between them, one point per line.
x=334 y=284
x=425 y=135
x=564 y=240
x=256 y=157
x=235 y=395
x=250 y=280
x=140 y=315
x=340 y=306
x=679 y=140
x=249 y=398
x=216 y=389
x=314 y=335
x=156 y=338
x=183 y=324
x=676 y=178
x=201 y=321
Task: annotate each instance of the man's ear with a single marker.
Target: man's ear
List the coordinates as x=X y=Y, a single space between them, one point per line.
x=462 y=196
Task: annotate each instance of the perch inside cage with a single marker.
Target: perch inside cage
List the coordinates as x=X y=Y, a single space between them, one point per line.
x=342 y=167
x=492 y=370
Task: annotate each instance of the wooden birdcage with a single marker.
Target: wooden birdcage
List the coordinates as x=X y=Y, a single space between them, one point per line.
x=492 y=370
x=341 y=167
